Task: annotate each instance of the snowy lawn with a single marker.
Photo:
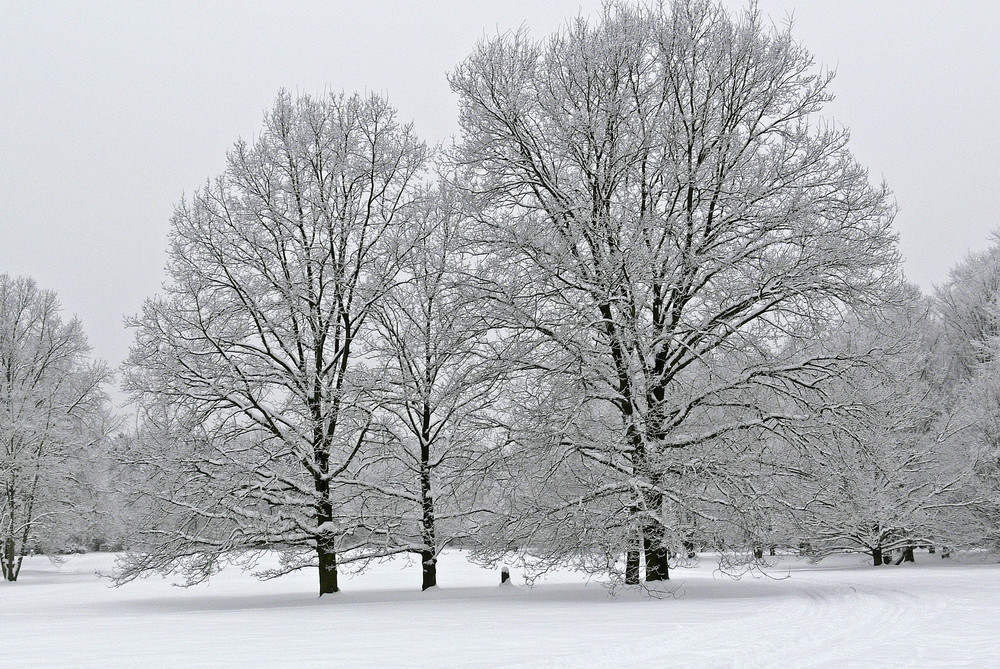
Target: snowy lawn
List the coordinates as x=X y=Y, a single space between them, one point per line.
x=838 y=613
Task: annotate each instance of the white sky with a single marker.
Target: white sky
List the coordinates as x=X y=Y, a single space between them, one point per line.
x=110 y=111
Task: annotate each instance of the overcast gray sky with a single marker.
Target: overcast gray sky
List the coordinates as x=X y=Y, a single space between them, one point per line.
x=110 y=111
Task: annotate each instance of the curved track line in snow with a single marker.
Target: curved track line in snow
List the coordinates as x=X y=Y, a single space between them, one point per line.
x=813 y=623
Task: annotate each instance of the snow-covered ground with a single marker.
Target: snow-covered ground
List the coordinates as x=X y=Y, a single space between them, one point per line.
x=840 y=613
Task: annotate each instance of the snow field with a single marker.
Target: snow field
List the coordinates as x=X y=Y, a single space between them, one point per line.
x=840 y=613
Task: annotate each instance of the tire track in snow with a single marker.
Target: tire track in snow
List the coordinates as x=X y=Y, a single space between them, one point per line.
x=806 y=624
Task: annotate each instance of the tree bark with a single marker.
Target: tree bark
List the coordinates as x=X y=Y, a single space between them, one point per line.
x=657 y=555
x=908 y=554
x=429 y=565
x=327 y=566
x=877 y=557
x=326 y=542
x=690 y=548
x=428 y=554
x=326 y=550
x=657 y=567
x=632 y=567
x=7 y=560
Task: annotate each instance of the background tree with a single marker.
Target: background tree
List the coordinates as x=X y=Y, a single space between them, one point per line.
x=261 y=336
x=53 y=417
x=663 y=179
x=889 y=473
x=967 y=308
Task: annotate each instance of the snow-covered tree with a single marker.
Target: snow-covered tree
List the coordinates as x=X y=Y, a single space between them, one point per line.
x=673 y=212
x=255 y=356
x=968 y=308
x=53 y=416
x=977 y=413
x=442 y=370
x=887 y=471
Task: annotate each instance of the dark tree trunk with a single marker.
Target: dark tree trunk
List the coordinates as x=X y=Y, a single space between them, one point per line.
x=428 y=556
x=908 y=554
x=758 y=552
x=429 y=563
x=327 y=567
x=7 y=566
x=877 y=557
x=931 y=549
x=632 y=562
x=690 y=550
x=772 y=550
x=326 y=551
x=657 y=557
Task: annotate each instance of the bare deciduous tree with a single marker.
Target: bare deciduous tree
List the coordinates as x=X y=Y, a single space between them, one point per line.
x=663 y=180
x=260 y=339
x=53 y=412
x=441 y=368
x=886 y=472
x=967 y=307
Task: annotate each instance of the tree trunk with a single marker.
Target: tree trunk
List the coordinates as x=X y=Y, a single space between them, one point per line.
x=429 y=564
x=326 y=550
x=657 y=555
x=772 y=550
x=428 y=556
x=632 y=567
x=758 y=552
x=9 y=567
x=877 y=557
x=7 y=560
x=908 y=554
x=327 y=567
x=690 y=550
